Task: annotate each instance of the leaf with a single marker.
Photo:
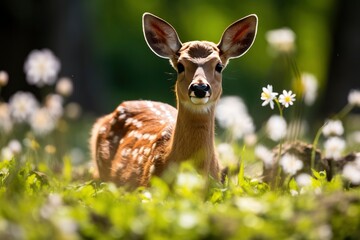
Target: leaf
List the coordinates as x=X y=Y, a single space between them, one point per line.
x=67 y=169
x=293 y=185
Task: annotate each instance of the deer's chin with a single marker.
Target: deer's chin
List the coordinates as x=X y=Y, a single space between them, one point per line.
x=199 y=101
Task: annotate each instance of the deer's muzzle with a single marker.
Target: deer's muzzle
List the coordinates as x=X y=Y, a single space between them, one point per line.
x=199 y=93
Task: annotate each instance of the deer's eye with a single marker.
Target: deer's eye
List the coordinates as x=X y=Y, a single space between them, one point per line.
x=180 y=68
x=219 y=67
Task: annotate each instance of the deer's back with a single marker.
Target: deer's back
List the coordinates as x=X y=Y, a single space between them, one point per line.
x=130 y=143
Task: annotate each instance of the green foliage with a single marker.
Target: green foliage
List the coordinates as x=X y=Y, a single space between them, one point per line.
x=38 y=205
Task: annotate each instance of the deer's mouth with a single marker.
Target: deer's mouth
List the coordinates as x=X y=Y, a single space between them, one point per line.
x=199 y=100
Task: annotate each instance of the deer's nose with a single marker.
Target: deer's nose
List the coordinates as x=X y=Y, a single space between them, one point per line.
x=199 y=90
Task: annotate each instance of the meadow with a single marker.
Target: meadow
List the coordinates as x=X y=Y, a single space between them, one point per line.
x=284 y=182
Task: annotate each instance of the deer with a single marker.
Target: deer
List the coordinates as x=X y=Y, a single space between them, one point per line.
x=143 y=138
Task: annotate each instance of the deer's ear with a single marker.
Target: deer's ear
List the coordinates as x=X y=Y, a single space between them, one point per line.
x=238 y=37
x=160 y=36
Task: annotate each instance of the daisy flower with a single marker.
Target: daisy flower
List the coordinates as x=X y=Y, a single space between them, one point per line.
x=333 y=127
x=310 y=87
x=303 y=180
x=281 y=40
x=188 y=220
x=334 y=147
x=287 y=98
x=189 y=180
x=291 y=164
x=268 y=96
x=54 y=104
x=351 y=171
x=354 y=98
x=22 y=105
x=41 y=67
x=227 y=154
x=264 y=154
x=276 y=127
x=231 y=113
x=42 y=122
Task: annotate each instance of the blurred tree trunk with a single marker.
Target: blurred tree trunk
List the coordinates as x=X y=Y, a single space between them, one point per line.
x=344 y=69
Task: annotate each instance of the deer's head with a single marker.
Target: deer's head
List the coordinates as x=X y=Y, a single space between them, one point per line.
x=199 y=64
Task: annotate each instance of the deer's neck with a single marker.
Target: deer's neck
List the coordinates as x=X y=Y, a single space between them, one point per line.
x=193 y=139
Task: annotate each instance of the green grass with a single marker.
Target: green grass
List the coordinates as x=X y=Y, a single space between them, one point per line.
x=47 y=205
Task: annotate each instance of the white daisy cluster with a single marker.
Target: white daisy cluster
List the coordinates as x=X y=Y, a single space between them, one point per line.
x=334 y=144
x=41 y=68
x=287 y=98
x=231 y=113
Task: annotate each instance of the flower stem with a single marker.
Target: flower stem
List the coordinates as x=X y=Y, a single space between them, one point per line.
x=278 y=174
x=279 y=107
x=315 y=142
x=343 y=112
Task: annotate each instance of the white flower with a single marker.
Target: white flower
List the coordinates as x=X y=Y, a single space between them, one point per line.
x=287 y=98
x=54 y=104
x=146 y=196
x=334 y=146
x=324 y=232
x=4 y=78
x=351 y=171
x=281 y=40
x=310 y=87
x=290 y=164
x=268 y=96
x=189 y=180
x=250 y=139
x=42 y=122
x=64 y=86
x=15 y=146
x=188 y=220
x=22 y=105
x=276 y=127
x=265 y=155
x=303 y=179
x=231 y=113
x=41 y=67
x=6 y=153
x=226 y=154
x=11 y=150
x=294 y=192
x=250 y=205
x=6 y=124
x=333 y=127
x=354 y=97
